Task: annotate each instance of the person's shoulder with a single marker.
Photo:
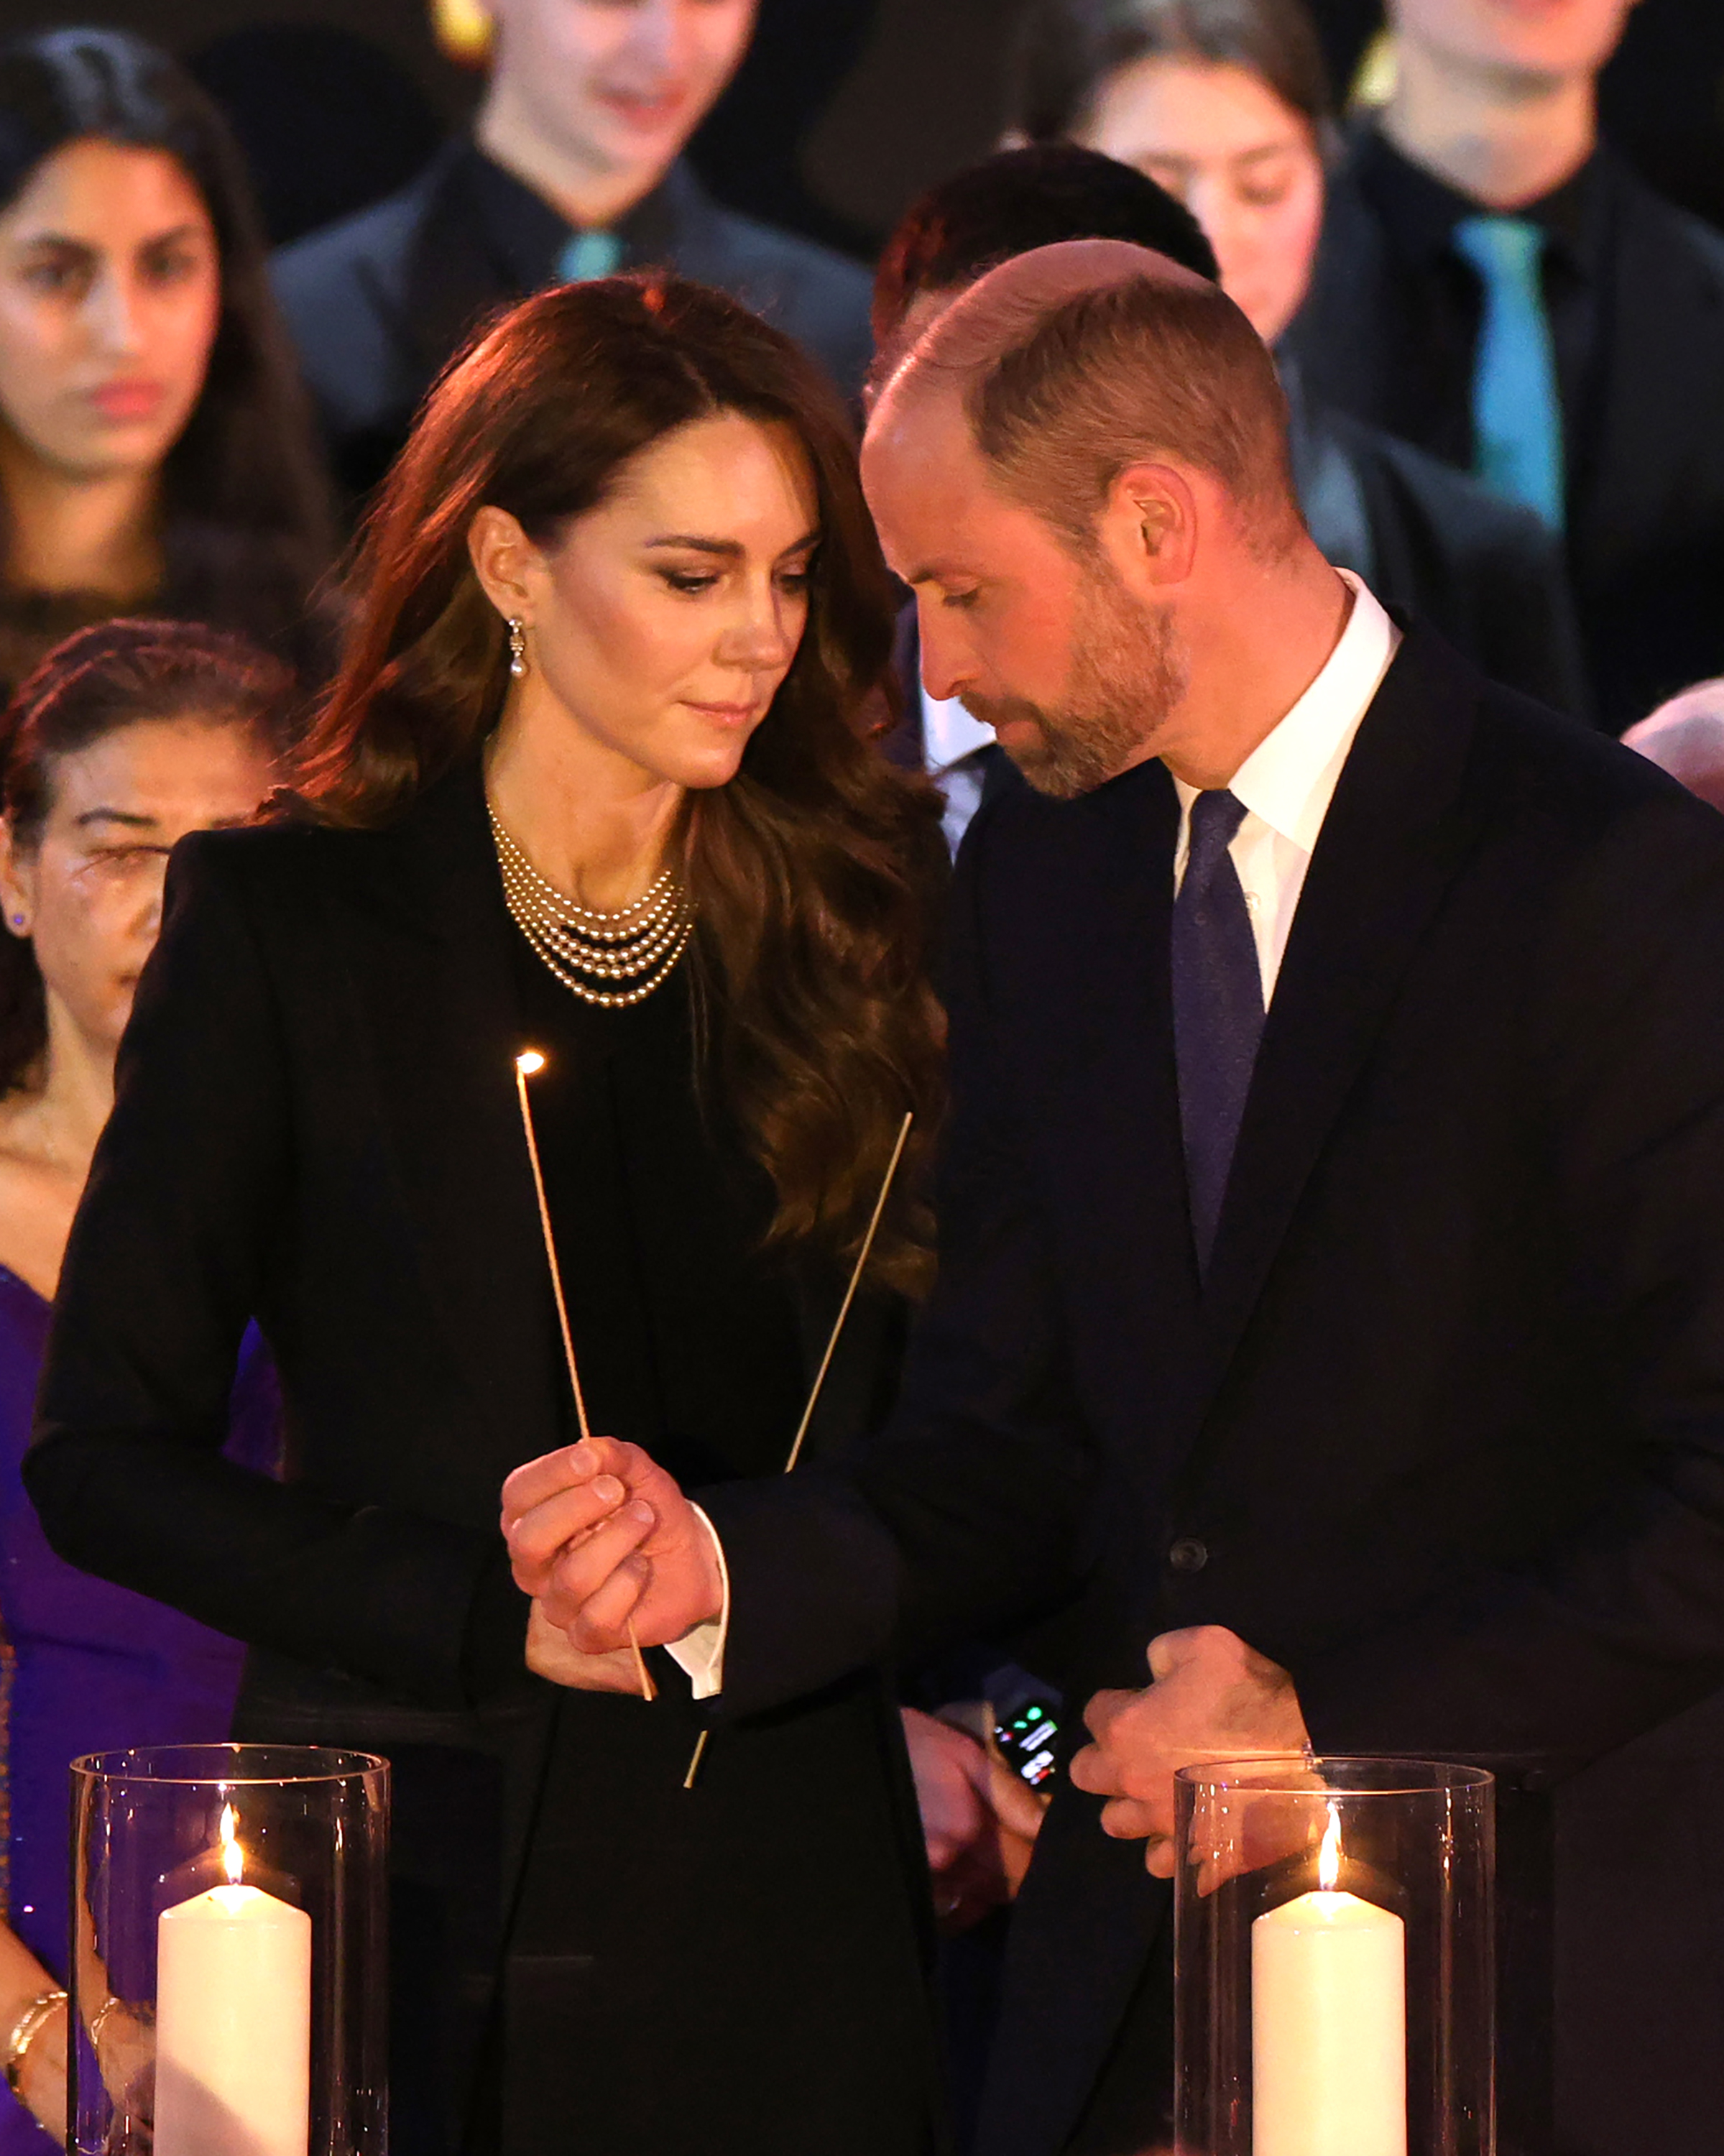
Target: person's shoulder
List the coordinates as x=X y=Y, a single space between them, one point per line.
x=272 y=860
x=370 y=241
x=1541 y=770
x=1463 y=510
x=818 y=296
x=1642 y=217
x=343 y=291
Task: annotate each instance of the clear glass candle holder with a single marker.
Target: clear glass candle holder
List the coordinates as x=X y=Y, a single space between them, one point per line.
x=1334 y=1959
x=228 y=1953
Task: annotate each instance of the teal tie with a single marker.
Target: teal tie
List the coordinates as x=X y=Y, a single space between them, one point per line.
x=588 y=254
x=1517 y=411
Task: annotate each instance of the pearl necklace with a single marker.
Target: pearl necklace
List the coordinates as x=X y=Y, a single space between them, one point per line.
x=638 y=944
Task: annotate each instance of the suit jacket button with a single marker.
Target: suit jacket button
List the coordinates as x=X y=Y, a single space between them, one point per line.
x=1188 y=1554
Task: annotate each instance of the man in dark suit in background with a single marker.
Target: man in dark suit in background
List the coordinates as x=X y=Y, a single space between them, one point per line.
x=1332 y=1290
x=1496 y=286
x=574 y=169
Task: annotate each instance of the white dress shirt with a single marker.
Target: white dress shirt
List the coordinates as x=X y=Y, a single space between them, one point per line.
x=953 y=740
x=1286 y=784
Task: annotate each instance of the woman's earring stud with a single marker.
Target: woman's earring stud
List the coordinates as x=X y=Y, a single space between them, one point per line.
x=18 y=921
x=517 y=646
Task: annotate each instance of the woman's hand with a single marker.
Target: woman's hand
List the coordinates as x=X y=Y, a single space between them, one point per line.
x=599 y=1534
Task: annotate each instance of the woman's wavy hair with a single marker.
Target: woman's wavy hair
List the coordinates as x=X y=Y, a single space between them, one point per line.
x=116 y=675
x=248 y=526
x=811 y=870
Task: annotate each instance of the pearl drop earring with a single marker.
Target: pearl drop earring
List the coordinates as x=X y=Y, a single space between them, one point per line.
x=517 y=646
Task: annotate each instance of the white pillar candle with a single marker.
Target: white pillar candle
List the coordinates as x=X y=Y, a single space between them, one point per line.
x=232 y=2022
x=1329 y=2023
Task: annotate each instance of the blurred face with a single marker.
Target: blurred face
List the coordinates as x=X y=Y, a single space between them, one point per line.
x=1541 y=39
x=663 y=622
x=88 y=894
x=110 y=294
x=619 y=86
x=1244 y=163
x=1074 y=675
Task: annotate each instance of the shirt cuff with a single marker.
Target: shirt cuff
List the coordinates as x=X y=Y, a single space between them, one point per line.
x=700 y=1653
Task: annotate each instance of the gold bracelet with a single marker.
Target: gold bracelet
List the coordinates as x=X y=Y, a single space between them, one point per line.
x=28 y=2025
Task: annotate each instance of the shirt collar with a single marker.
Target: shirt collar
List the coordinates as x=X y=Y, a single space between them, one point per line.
x=529 y=235
x=950 y=733
x=1290 y=777
x=1422 y=210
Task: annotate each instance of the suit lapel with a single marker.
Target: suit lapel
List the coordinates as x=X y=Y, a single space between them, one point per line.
x=1390 y=845
x=436 y=994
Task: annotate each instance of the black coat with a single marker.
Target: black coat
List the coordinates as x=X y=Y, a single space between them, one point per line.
x=1387 y=334
x=380 y=302
x=317 y=1125
x=1444 y=1433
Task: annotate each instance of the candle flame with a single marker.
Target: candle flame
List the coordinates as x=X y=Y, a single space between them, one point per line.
x=1329 y=1856
x=232 y=1857
x=529 y=1061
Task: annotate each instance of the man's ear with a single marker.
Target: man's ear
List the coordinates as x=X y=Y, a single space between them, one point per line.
x=1149 y=528
x=505 y=560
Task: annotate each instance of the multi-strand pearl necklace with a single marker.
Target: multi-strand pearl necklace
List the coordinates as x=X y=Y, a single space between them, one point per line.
x=638 y=946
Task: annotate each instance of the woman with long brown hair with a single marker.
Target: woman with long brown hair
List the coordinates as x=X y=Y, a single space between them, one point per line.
x=595 y=779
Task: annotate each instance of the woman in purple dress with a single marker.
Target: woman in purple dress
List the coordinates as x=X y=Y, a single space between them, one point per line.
x=124 y=739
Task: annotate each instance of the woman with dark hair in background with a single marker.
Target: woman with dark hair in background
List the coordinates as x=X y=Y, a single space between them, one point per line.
x=157 y=452
x=125 y=738
x=1226 y=103
x=595 y=777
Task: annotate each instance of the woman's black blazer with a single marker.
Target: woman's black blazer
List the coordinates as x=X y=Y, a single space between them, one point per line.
x=316 y=1125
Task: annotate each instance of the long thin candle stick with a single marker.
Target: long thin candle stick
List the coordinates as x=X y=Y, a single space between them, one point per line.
x=525 y=1065
x=837 y=1326
x=856 y=1273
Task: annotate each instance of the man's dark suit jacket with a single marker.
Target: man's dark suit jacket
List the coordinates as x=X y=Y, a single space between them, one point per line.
x=1443 y=1431
x=1637 y=297
x=380 y=302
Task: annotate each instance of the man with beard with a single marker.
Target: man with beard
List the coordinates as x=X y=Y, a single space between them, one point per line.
x=1332 y=1301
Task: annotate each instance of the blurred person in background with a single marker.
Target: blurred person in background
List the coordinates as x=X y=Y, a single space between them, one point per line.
x=125 y=738
x=156 y=454
x=1496 y=286
x=574 y=169
x=1226 y=103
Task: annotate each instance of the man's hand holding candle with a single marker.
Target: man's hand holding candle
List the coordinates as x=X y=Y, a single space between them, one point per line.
x=598 y=1533
x=1213 y=1697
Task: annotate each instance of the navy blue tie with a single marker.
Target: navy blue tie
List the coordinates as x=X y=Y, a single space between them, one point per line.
x=1218 y=1007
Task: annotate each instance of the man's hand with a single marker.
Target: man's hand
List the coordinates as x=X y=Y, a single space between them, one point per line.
x=549 y=1655
x=979 y=1820
x=598 y=1533
x=1213 y=1698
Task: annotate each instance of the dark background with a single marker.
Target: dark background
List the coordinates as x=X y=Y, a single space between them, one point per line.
x=842 y=111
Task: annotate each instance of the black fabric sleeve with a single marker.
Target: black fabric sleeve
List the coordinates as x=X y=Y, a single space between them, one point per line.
x=187 y=1208
x=975 y=1506
x=1614 y=1629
